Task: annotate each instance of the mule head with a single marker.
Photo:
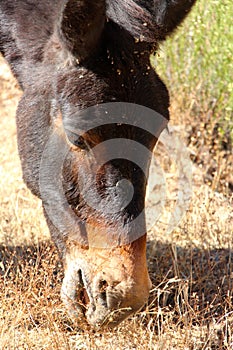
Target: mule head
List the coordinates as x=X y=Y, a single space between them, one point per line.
x=93 y=174
x=95 y=166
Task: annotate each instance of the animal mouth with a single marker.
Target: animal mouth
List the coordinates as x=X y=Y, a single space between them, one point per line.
x=99 y=292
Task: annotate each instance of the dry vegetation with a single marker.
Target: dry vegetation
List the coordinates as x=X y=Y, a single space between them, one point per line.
x=191 y=305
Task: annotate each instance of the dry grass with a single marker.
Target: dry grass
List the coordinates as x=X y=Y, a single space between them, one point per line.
x=191 y=305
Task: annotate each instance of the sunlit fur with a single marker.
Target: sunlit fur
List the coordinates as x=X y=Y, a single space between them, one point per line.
x=67 y=56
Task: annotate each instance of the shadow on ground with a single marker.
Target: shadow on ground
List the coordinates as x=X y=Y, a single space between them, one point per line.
x=187 y=281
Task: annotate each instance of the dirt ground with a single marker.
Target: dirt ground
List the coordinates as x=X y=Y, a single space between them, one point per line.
x=191 y=304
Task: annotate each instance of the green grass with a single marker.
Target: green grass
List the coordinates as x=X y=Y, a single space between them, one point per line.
x=198 y=62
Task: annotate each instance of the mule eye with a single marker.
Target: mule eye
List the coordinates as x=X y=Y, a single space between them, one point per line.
x=76 y=140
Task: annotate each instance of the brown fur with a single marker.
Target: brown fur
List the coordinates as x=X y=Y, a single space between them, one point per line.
x=68 y=56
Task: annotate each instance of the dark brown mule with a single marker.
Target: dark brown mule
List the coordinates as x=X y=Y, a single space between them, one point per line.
x=68 y=56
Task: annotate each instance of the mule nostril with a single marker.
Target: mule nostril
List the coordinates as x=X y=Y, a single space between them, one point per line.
x=103 y=292
x=82 y=295
x=80 y=279
x=103 y=286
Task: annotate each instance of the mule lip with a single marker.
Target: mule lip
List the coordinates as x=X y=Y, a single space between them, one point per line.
x=109 y=319
x=93 y=308
x=102 y=296
x=111 y=314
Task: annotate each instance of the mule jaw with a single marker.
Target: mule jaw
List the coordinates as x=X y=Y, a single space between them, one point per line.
x=104 y=286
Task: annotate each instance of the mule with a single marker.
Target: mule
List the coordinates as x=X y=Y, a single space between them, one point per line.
x=75 y=60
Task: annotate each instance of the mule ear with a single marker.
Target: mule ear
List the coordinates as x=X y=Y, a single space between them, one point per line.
x=81 y=26
x=148 y=20
x=169 y=17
